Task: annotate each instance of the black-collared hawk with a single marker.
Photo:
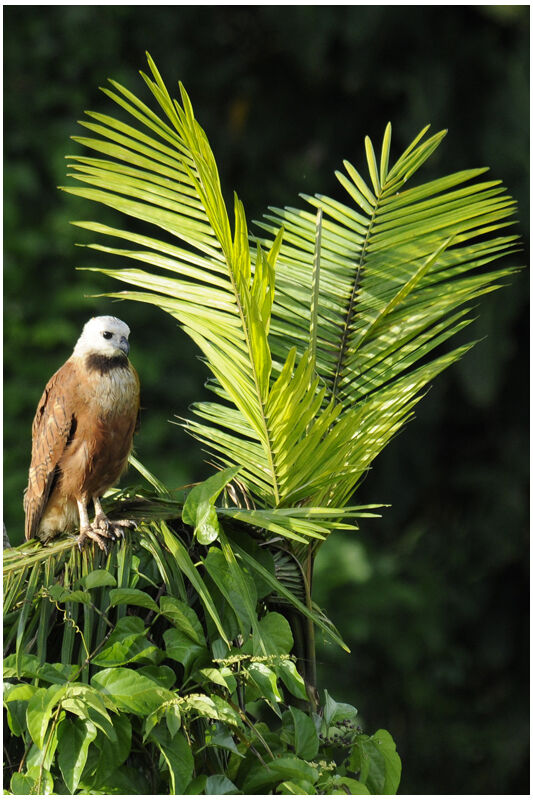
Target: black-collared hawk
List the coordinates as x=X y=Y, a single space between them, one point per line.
x=82 y=436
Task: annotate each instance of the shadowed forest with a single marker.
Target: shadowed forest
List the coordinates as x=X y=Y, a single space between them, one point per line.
x=432 y=597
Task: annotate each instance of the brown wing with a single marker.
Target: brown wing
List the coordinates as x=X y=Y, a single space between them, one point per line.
x=137 y=427
x=54 y=423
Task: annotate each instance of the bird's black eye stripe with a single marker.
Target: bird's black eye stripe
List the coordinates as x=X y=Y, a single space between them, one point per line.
x=107 y=334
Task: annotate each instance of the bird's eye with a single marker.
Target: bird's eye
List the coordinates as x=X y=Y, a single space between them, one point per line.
x=107 y=334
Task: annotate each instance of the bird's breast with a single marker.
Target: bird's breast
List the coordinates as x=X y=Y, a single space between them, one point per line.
x=107 y=410
x=113 y=393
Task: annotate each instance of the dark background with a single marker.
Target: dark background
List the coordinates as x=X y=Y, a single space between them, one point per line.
x=432 y=598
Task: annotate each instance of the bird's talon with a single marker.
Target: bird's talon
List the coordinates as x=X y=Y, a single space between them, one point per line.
x=126 y=523
x=111 y=529
x=90 y=533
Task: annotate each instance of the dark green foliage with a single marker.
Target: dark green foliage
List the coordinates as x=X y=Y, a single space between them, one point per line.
x=156 y=700
x=449 y=556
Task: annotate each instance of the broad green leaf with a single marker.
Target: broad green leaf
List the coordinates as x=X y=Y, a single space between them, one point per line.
x=230 y=584
x=183 y=617
x=129 y=690
x=207 y=491
x=243 y=586
x=163 y=675
x=305 y=736
x=86 y=712
x=212 y=675
x=207 y=528
x=45 y=758
x=377 y=761
x=125 y=780
x=16 y=701
x=24 y=667
x=292 y=679
x=226 y=713
x=213 y=707
x=199 y=509
x=276 y=634
x=240 y=539
x=265 y=679
x=221 y=737
x=220 y=784
x=229 y=677
x=36 y=781
x=126 y=643
x=262 y=777
x=107 y=754
x=98 y=577
x=89 y=696
x=337 y=712
x=39 y=711
x=183 y=649
x=178 y=758
x=132 y=597
x=202 y=704
x=77 y=596
x=170 y=712
x=197 y=785
x=345 y=785
x=23 y=785
x=173 y=719
x=56 y=673
x=74 y=740
x=393 y=765
x=87 y=704
x=153 y=719
x=229 y=620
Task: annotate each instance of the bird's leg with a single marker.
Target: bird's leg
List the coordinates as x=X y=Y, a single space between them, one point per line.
x=105 y=526
x=86 y=529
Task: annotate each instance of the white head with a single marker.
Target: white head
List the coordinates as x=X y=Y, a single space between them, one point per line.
x=104 y=336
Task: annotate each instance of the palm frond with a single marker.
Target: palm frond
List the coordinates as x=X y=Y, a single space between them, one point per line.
x=177 y=188
x=318 y=335
x=396 y=264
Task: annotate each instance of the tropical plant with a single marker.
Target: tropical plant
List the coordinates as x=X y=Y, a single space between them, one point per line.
x=162 y=667
x=321 y=333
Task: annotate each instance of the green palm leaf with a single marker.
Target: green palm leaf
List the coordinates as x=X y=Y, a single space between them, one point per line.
x=396 y=264
x=178 y=190
x=319 y=335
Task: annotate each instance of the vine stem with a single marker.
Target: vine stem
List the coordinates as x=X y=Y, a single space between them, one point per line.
x=23 y=759
x=48 y=743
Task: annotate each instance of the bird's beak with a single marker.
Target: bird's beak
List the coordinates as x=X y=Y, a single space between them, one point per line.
x=124 y=345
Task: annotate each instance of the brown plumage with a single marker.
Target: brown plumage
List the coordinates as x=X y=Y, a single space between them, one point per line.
x=82 y=435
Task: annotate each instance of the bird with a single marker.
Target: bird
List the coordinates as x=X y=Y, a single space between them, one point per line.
x=82 y=435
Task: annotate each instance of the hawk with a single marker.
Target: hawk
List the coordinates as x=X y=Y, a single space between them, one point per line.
x=82 y=436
